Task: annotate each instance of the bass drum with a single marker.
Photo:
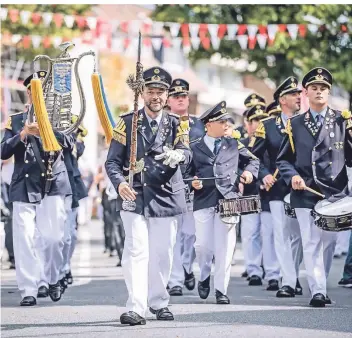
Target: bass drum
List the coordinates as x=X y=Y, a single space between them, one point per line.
x=290 y=212
x=334 y=216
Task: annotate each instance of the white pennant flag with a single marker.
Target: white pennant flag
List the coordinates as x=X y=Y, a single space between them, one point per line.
x=186 y=49
x=25 y=15
x=272 y=30
x=47 y=18
x=261 y=39
x=195 y=43
x=92 y=22
x=232 y=31
x=117 y=45
x=313 y=28
x=16 y=38
x=134 y=27
x=69 y=20
x=157 y=42
x=243 y=41
x=158 y=28
x=213 y=30
x=215 y=41
x=176 y=43
x=3 y=13
x=194 y=29
x=56 y=41
x=252 y=30
x=293 y=31
x=174 y=29
x=36 y=40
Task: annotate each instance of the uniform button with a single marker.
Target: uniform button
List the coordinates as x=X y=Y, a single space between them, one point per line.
x=146 y=154
x=214 y=164
x=330 y=148
x=332 y=176
x=26 y=175
x=313 y=163
x=145 y=184
x=163 y=172
x=216 y=175
x=145 y=169
x=330 y=163
x=162 y=185
x=43 y=161
x=314 y=149
x=223 y=147
x=26 y=161
x=43 y=174
x=315 y=177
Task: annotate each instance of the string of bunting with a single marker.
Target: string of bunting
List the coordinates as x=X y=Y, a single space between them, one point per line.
x=119 y=35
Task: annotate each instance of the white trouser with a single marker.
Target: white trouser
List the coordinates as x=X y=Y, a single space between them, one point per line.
x=2 y=238
x=70 y=236
x=343 y=242
x=184 y=253
x=318 y=251
x=270 y=261
x=214 y=238
x=296 y=243
x=147 y=259
x=283 y=243
x=48 y=218
x=252 y=244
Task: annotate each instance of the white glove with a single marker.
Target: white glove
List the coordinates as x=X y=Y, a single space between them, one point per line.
x=172 y=157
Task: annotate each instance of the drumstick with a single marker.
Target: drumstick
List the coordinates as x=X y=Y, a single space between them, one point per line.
x=314 y=192
x=205 y=178
x=262 y=187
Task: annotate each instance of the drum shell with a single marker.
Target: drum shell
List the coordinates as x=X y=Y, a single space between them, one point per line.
x=332 y=223
x=289 y=211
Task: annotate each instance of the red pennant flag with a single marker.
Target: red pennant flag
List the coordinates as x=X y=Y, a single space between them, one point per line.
x=302 y=30
x=282 y=28
x=126 y=43
x=252 y=42
x=58 y=19
x=47 y=42
x=241 y=29
x=262 y=29
x=186 y=42
x=344 y=28
x=36 y=17
x=81 y=21
x=222 y=30
x=13 y=15
x=146 y=28
x=166 y=43
x=205 y=43
x=124 y=26
x=271 y=41
x=26 y=41
x=147 y=42
x=203 y=30
x=185 y=31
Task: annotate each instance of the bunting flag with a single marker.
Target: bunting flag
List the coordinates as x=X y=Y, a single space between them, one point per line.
x=174 y=28
x=293 y=31
x=194 y=29
x=47 y=19
x=243 y=41
x=261 y=39
x=25 y=15
x=69 y=20
x=3 y=13
x=232 y=31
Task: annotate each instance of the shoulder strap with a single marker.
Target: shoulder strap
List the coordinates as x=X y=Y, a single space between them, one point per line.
x=36 y=152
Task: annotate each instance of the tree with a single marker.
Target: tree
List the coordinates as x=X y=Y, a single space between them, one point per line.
x=31 y=28
x=329 y=46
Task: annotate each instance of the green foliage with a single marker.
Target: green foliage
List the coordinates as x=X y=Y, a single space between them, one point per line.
x=329 y=47
x=32 y=29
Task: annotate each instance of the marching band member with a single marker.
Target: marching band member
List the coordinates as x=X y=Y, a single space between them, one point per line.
x=268 y=138
x=314 y=153
x=33 y=208
x=158 y=191
x=216 y=156
x=184 y=253
x=257 y=232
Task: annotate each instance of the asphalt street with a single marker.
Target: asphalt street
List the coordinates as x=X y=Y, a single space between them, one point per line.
x=91 y=307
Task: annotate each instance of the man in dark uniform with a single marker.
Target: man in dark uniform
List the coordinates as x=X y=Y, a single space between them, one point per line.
x=216 y=156
x=34 y=206
x=257 y=232
x=268 y=138
x=184 y=254
x=273 y=109
x=314 y=153
x=158 y=192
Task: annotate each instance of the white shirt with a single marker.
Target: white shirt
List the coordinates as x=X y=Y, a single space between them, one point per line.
x=157 y=119
x=210 y=142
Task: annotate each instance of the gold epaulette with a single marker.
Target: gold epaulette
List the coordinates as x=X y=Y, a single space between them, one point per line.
x=9 y=123
x=236 y=134
x=119 y=132
x=260 y=131
x=126 y=114
x=174 y=115
x=240 y=145
x=288 y=131
x=182 y=134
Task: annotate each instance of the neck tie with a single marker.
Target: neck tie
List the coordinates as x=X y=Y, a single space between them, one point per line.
x=318 y=120
x=217 y=145
x=154 y=126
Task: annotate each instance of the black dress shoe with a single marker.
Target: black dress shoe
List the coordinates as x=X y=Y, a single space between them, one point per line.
x=69 y=278
x=43 y=292
x=221 y=298
x=347 y=283
x=12 y=264
x=175 y=291
x=204 y=288
x=244 y=274
x=55 y=292
x=162 y=314
x=318 y=300
x=298 y=289
x=273 y=285
x=132 y=318
x=28 y=301
x=285 y=292
x=327 y=300
x=255 y=281
x=63 y=284
x=190 y=281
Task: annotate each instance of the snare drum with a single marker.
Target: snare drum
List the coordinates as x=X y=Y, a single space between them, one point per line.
x=238 y=206
x=333 y=216
x=290 y=212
